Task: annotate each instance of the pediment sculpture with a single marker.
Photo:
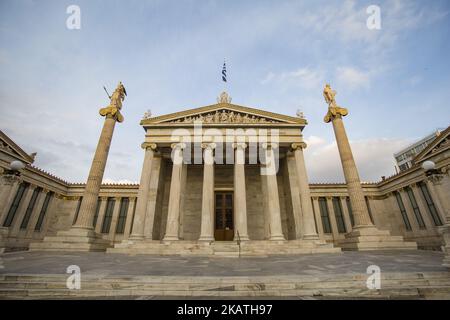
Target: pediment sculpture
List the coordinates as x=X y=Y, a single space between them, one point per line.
x=224 y=116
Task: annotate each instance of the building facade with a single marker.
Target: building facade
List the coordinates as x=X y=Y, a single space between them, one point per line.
x=224 y=180
x=404 y=158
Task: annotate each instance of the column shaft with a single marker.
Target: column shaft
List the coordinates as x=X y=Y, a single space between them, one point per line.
x=152 y=197
x=273 y=201
x=9 y=190
x=240 y=197
x=142 y=199
x=173 y=215
x=309 y=229
x=88 y=205
x=360 y=213
x=130 y=217
x=101 y=214
x=207 y=219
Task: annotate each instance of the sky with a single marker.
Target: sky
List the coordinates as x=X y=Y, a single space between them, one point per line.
x=395 y=81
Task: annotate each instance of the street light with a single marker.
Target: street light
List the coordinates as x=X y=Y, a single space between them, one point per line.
x=14 y=168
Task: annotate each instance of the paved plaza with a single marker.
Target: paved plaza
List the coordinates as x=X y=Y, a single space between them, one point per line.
x=147 y=265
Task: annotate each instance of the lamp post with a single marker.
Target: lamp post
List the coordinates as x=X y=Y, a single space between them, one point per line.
x=434 y=181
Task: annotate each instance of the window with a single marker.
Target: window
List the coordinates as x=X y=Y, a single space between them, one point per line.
x=16 y=202
x=43 y=211
x=77 y=211
x=415 y=207
x=108 y=215
x=430 y=204
x=338 y=214
x=31 y=204
x=97 y=209
x=369 y=210
x=122 y=215
x=401 y=206
x=324 y=215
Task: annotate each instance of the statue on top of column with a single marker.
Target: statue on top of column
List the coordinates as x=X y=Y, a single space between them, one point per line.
x=116 y=103
x=333 y=109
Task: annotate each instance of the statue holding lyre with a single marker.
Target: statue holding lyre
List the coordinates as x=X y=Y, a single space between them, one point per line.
x=116 y=103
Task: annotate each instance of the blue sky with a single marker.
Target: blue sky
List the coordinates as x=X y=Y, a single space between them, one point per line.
x=169 y=54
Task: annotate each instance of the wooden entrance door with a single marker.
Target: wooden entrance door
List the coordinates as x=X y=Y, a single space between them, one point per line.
x=224 y=227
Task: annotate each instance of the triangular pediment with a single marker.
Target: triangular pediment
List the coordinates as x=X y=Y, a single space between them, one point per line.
x=9 y=147
x=224 y=113
x=441 y=143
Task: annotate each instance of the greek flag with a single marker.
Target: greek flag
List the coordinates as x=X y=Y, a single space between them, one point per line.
x=224 y=72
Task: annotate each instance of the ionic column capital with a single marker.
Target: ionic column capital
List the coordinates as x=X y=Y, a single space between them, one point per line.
x=209 y=145
x=239 y=145
x=269 y=145
x=178 y=145
x=298 y=146
x=149 y=145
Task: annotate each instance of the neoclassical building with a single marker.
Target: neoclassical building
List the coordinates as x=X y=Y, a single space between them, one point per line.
x=228 y=180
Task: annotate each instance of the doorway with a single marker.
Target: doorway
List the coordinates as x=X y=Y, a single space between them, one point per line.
x=224 y=225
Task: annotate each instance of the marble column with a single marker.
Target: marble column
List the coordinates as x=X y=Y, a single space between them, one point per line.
x=9 y=187
x=309 y=228
x=101 y=214
x=409 y=210
x=360 y=213
x=240 y=198
x=273 y=202
x=130 y=217
x=207 y=219
x=423 y=208
x=441 y=200
x=35 y=214
x=346 y=214
x=294 y=192
x=142 y=199
x=85 y=217
x=318 y=217
x=115 y=217
x=332 y=218
x=173 y=214
x=15 y=226
x=152 y=201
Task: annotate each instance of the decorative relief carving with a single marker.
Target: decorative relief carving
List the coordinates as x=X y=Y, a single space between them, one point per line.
x=224 y=116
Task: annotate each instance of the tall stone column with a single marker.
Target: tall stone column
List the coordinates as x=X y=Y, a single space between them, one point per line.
x=364 y=236
x=153 y=192
x=207 y=220
x=9 y=185
x=82 y=235
x=273 y=202
x=435 y=183
x=240 y=199
x=309 y=228
x=130 y=217
x=112 y=115
x=360 y=213
x=173 y=215
x=142 y=199
x=88 y=205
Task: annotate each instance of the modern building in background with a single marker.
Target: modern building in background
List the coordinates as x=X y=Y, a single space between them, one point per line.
x=405 y=157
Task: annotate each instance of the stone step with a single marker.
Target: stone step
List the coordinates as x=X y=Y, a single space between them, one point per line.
x=441 y=292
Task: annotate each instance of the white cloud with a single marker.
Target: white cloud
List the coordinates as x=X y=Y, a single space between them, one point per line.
x=352 y=78
x=305 y=77
x=373 y=158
